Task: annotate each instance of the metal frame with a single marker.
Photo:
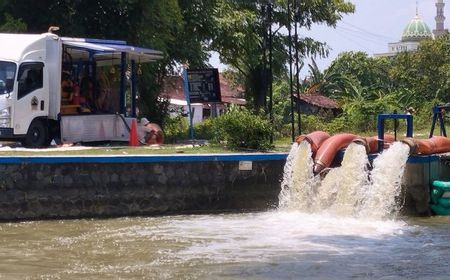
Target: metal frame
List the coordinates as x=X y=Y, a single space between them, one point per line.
x=380 y=126
x=438 y=113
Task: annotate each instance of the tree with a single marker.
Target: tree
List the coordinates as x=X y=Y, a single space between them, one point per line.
x=424 y=73
x=240 y=35
x=433 y=63
x=12 y=25
x=369 y=72
x=331 y=82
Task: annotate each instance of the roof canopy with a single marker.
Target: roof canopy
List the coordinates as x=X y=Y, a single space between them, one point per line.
x=108 y=50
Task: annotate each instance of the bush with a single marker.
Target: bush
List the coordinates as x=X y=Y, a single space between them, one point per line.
x=176 y=128
x=206 y=130
x=312 y=123
x=243 y=130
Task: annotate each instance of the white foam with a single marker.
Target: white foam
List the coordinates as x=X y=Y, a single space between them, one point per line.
x=349 y=190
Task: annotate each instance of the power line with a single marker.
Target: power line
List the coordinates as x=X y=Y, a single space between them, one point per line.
x=352 y=40
x=367 y=31
x=360 y=36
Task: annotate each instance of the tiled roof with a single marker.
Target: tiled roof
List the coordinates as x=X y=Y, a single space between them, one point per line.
x=319 y=101
x=173 y=88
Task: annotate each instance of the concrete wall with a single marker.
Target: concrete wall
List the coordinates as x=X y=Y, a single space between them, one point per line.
x=416 y=188
x=62 y=187
x=420 y=172
x=73 y=187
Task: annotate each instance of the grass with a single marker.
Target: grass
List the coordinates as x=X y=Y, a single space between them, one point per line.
x=126 y=150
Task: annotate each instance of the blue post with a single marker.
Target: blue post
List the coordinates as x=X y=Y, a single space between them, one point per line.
x=438 y=114
x=442 y=123
x=409 y=126
x=433 y=123
x=133 y=89
x=186 y=95
x=380 y=126
x=123 y=85
x=380 y=129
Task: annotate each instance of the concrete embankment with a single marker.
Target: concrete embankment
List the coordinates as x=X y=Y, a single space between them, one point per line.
x=104 y=186
x=420 y=172
x=101 y=186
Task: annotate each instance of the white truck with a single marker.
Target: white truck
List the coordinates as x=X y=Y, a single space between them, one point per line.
x=32 y=109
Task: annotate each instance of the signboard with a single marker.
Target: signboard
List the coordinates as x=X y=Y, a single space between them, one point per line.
x=245 y=165
x=204 y=85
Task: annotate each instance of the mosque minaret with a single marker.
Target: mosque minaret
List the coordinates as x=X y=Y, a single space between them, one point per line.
x=440 y=19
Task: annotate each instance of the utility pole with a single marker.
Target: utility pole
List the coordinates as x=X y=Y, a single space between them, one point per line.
x=297 y=60
x=270 y=80
x=290 y=70
x=263 y=73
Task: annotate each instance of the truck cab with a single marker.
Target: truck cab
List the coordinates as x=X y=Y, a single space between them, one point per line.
x=67 y=89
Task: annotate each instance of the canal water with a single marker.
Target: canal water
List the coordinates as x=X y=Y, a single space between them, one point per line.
x=344 y=225
x=267 y=245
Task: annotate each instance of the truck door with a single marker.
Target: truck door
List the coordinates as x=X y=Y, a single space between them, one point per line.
x=30 y=96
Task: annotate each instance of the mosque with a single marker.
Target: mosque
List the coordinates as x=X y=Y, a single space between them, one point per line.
x=417 y=30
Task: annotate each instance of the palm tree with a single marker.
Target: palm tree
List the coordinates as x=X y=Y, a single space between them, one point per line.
x=329 y=83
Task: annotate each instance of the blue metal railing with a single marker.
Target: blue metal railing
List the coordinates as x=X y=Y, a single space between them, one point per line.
x=439 y=113
x=380 y=126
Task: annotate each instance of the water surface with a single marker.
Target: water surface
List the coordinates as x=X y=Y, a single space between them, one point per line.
x=267 y=245
x=344 y=226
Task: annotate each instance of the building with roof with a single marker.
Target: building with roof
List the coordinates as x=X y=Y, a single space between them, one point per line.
x=317 y=104
x=173 y=91
x=416 y=31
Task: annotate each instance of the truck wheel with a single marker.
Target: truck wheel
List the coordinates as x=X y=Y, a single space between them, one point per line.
x=37 y=135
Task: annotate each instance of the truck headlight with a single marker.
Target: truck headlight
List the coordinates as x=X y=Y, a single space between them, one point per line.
x=5 y=112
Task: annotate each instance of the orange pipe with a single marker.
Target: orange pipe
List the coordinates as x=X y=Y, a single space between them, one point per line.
x=442 y=144
x=372 y=142
x=425 y=147
x=315 y=139
x=328 y=150
x=434 y=145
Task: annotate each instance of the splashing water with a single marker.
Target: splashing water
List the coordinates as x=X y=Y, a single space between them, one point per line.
x=285 y=195
x=299 y=181
x=386 y=179
x=349 y=190
x=340 y=191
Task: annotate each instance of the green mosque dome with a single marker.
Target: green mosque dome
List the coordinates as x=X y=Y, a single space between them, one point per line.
x=416 y=30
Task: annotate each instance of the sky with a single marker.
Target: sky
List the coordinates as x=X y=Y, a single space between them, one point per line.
x=373 y=25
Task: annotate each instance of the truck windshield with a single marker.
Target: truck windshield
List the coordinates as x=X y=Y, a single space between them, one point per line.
x=7 y=74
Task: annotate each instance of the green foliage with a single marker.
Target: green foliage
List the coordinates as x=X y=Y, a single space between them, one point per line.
x=369 y=72
x=238 y=128
x=424 y=115
x=13 y=25
x=241 y=37
x=312 y=123
x=424 y=74
x=332 y=82
x=176 y=129
x=281 y=108
x=243 y=130
x=366 y=86
x=207 y=130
